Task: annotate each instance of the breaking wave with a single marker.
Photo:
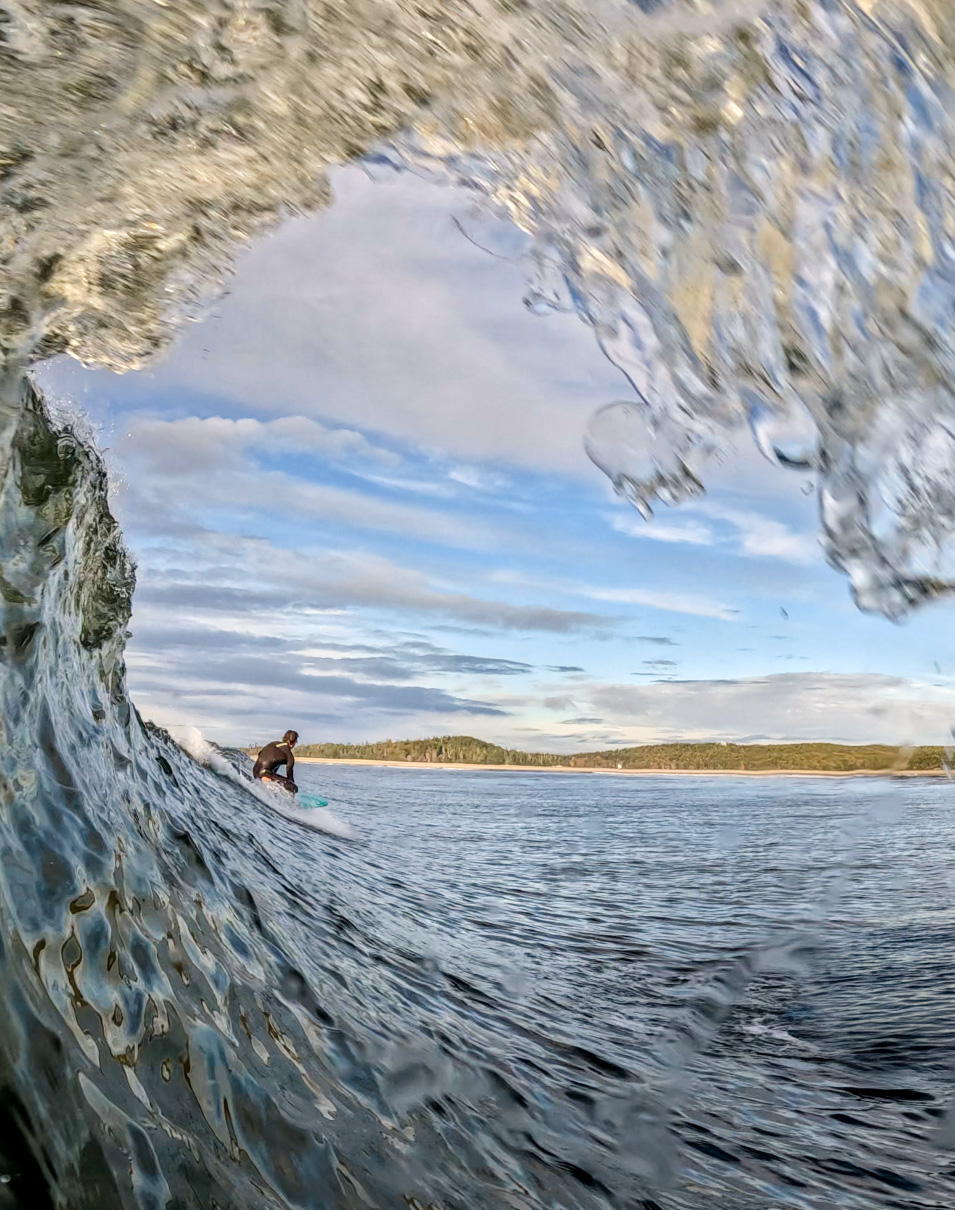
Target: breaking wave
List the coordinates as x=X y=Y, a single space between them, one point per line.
x=753 y=212
x=750 y=205
x=748 y=201
x=162 y=1045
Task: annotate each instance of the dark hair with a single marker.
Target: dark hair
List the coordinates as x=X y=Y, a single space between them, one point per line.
x=290 y=737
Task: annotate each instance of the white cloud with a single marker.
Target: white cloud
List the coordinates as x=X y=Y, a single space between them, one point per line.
x=849 y=708
x=193 y=444
x=265 y=576
x=379 y=313
x=212 y=455
x=756 y=536
x=667 y=602
x=763 y=537
x=692 y=532
x=478 y=478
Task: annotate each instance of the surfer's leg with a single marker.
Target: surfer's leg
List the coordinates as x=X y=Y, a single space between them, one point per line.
x=286 y=783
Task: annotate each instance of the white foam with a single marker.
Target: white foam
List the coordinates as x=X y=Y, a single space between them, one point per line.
x=318 y=820
x=272 y=796
x=761 y=1030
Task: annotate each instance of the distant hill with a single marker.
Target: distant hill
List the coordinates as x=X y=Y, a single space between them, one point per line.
x=820 y=758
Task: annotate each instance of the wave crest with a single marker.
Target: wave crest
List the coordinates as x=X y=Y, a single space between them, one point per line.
x=754 y=219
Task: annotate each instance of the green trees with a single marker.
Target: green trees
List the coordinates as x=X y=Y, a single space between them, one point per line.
x=444 y=749
x=747 y=758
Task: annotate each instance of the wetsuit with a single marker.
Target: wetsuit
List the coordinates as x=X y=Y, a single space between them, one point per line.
x=272 y=755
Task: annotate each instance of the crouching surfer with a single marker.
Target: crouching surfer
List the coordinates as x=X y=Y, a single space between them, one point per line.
x=278 y=752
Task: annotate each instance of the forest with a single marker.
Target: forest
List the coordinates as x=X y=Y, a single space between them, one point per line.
x=756 y=758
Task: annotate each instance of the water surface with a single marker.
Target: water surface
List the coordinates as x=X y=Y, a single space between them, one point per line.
x=732 y=985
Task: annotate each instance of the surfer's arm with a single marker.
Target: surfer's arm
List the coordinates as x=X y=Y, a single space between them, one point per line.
x=290 y=766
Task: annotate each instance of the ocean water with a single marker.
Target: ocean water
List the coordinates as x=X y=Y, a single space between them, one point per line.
x=669 y=991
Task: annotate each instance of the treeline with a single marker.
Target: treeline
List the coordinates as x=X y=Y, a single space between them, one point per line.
x=445 y=749
x=755 y=758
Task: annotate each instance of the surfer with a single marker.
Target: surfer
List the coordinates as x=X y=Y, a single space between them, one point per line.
x=278 y=752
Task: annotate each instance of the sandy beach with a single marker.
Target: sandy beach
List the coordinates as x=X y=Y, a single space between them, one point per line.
x=422 y=764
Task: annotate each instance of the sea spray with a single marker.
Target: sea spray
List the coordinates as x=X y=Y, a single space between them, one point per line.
x=273 y=796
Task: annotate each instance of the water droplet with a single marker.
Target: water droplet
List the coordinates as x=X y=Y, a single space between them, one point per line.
x=785 y=435
x=645 y=455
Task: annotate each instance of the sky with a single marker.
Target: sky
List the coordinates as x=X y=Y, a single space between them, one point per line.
x=358 y=498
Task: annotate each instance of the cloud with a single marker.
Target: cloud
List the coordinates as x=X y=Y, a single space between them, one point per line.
x=755 y=535
x=762 y=537
x=229 y=671
x=563 y=668
x=159 y=457
x=660 y=663
x=692 y=532
x=377 y=313
x=329 y=578
x=667 y=602
x=849 y=708
x=189 y=446
x=239 y=674
x=659 y=639
x=478 y=478
x=399 y=662
x=408 y=596
x=222 y=678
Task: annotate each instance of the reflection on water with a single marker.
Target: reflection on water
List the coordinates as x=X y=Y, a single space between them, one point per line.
x=206 y=1005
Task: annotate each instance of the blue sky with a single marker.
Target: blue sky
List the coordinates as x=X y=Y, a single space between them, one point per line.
x=360 y=504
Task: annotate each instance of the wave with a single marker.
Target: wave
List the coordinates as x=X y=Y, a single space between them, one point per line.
x=754 y=217
x=162 y=1045
x=195 y=1011
x=275 y=799
x=748 y=203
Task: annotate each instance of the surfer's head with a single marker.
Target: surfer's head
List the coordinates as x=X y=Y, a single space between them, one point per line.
x=290 y=738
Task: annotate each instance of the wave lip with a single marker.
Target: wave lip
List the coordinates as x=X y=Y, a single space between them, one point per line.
x=752 y=217
x=748 y=203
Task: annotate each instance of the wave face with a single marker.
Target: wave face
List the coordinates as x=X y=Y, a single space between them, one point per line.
x=195 y=1012
x=161 y=1046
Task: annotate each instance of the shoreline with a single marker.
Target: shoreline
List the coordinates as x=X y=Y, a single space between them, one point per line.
x=424 y=764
